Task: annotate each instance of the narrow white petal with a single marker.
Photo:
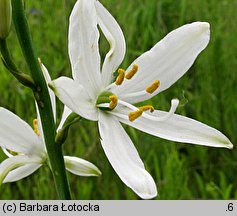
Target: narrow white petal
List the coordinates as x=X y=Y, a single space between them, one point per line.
x=14 y=162
x=177 y=128
x=6 y=152
x=115 y=37
x=74 y=96
x=83 y=46
x=81 y=167
x=51 y=93
x=52 y=99
x=66 y=113
x=124 y=157
x=17 y=135
x=167 y=61
x=39 y=124
x=21 y=172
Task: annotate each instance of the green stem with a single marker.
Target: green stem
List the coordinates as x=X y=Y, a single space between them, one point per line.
x=7 y=60
x=43 y=99
x=6 y=55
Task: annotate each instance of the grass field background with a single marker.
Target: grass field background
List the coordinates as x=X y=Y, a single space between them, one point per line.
x=207 y=92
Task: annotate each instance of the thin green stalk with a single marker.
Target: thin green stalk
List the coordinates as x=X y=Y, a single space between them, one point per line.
x=9 y=64
x=42 y=97
x=6 y=55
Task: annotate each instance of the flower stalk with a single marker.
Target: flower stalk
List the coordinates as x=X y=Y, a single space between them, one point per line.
x=63 y=132
x=43 y=100
x=23 y=78
x=5 y=18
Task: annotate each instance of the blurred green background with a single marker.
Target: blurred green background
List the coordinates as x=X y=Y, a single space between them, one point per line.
x=207 y=92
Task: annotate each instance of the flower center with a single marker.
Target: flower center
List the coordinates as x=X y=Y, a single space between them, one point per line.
x=108 y=101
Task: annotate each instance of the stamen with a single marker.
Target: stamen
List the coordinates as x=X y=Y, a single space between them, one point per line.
x=114 y=101
x=140 y=111
x=153 y=87
x=132 y=72
x=120 y=77
x=134 y=115
x=174 y=105
x=35 y=124
x=147 y=107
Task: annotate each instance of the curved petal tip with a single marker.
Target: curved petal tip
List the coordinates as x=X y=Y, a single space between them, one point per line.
x=205 y=26
x=149 y=192
x=81 y=167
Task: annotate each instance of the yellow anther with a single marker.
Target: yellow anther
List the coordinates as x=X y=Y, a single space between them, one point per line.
x=132 y=72
x=147 y=107
x=113 y=101
x=35 y=124
x=155 y=85
x=134 y=115
x=120 y=77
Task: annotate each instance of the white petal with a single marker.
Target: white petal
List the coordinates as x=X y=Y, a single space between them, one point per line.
x=17 y=135
x=115 y=37
x=74 y=96
x=66 y=113
x=81 y=167
x=177 y=128
x=83 y=46
x=39 y=124
x=124 y=157
x=52 y=99
x=167 y=61
x=51 y=93
x=21 y=172
x=6 y=152
x=14 y=162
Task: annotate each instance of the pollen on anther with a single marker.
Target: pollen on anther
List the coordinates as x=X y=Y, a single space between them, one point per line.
x=147 y=107
x=113 y=101
x=134 y=115
x=155 y=85
x=35 y=124
x=132 y=72
x=120 y=77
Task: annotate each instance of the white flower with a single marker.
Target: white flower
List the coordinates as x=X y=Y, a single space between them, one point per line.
x=29 y=147
x=93 y=94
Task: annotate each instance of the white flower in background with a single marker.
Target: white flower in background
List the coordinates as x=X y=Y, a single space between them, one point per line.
x=93 y=94
x=26 y=147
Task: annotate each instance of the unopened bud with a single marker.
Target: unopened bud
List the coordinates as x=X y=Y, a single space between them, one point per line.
x=5 y=18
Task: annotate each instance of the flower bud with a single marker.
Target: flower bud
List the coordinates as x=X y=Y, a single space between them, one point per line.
x=5 y=18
